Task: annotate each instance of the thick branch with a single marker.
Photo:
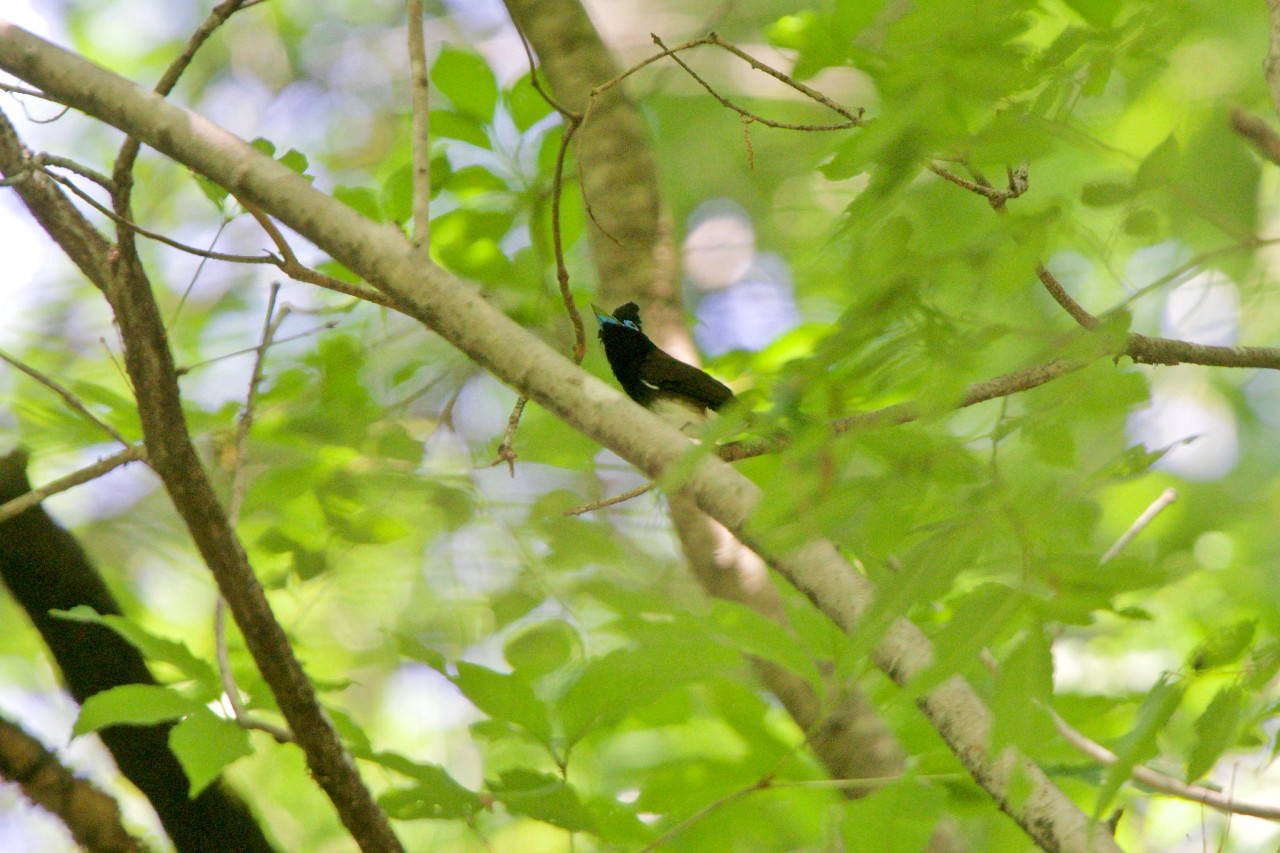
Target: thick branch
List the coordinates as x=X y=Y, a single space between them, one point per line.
x=385 y=258
x=92 y=817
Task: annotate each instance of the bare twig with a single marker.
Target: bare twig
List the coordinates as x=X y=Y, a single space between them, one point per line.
x=854 y=120
x=610 y=501
x=185 y=369
x=290 y=265
x=72 y=401
x=1271 y=65
x=421 y=142
x=505 y=452
x=135 y=228
x=1164 y=784
x=1165 y=498
x=1060 y=295
x=1018 y=184
x=20 y=504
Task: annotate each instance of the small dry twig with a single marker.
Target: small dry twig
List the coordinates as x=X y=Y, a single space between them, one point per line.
x=20 y=504
x=610 y=501
x=421 y=126
x=72 y=401
x=1148 y=515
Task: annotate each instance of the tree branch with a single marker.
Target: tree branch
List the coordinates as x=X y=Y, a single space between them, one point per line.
x=92 y=817
x=459 y=314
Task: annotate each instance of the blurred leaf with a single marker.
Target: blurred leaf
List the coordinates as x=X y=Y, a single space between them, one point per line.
x=360 y=199
x=526 y=106
x=204 y=743
x=152 y=647
x=543 y=797
x=899 y=817
x=1140 y=743
x=504 y=697
x=437 y=795
x=465 y=128
x=541 y=647
x=1215 y=730
x=1224 y=646
x=132 y=704
x=467 y=82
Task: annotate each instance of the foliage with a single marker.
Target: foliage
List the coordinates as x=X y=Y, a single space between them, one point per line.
x=508 y=675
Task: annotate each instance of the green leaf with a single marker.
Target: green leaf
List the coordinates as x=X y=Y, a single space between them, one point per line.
x=152 y=647
x=450 y=125
x=132 y=704
x=1025 y=676
x=543 y=797
x=1140 y=743
x=360 y=199
x=1105 y=194
x=295 y=160
x=898 y=817
x=437 y=795
x=1215 y=730
x=541 y=647
x=1224 y=646
x=525 y=104
x=745 y=629
x=467 y=82
x=1099 y=13
x=504 y=697
x=204 y=744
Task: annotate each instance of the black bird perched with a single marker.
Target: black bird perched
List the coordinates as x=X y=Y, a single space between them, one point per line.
x=678 y=393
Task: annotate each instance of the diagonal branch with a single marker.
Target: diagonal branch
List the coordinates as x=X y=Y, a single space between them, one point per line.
x=460 y=315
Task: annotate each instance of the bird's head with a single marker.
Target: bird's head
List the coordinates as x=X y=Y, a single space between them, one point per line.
x=627 y=315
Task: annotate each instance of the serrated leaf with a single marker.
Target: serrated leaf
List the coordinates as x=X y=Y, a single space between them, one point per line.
x=503 y=697
x=132 y=704
x=204 y=743
x=152 y=647
x=437 y=795
x=759 y=636
x=1215 y=730
x=543 y=797
x=1224 y=646
x=466 y=80
x=1140 y=743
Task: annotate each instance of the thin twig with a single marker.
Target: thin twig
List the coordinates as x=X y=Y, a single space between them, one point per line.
x=271 y=322
x=20 y=504
x=1060 y=295
x=420 y=143
x=289 y=264
x=745 y=113
x=1165 y=498
x=43 y=159
x=610 y=501
x=153 y=235
x=1161 y=783
x=564 y=111
x=72 y=401
x=324 y=327
x=854 y=116
x=505 y=453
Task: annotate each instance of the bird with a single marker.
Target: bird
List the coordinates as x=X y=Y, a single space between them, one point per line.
x=679 y=393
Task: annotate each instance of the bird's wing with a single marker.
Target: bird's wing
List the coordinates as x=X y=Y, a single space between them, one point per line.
x=664 y=373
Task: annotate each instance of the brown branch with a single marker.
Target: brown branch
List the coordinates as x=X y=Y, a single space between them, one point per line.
x=421 y=141
x=854 y=121
x=20 y=504
x=505 y=452
x=92 y=817
x=1259 y=134
x=1271 y=65
x=854 y=116
x=44 y=159
x=122 y=172
x=289 y=264
x=1060 y=295
x=1017 y=184
x=610 y=501
x=150 y=366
